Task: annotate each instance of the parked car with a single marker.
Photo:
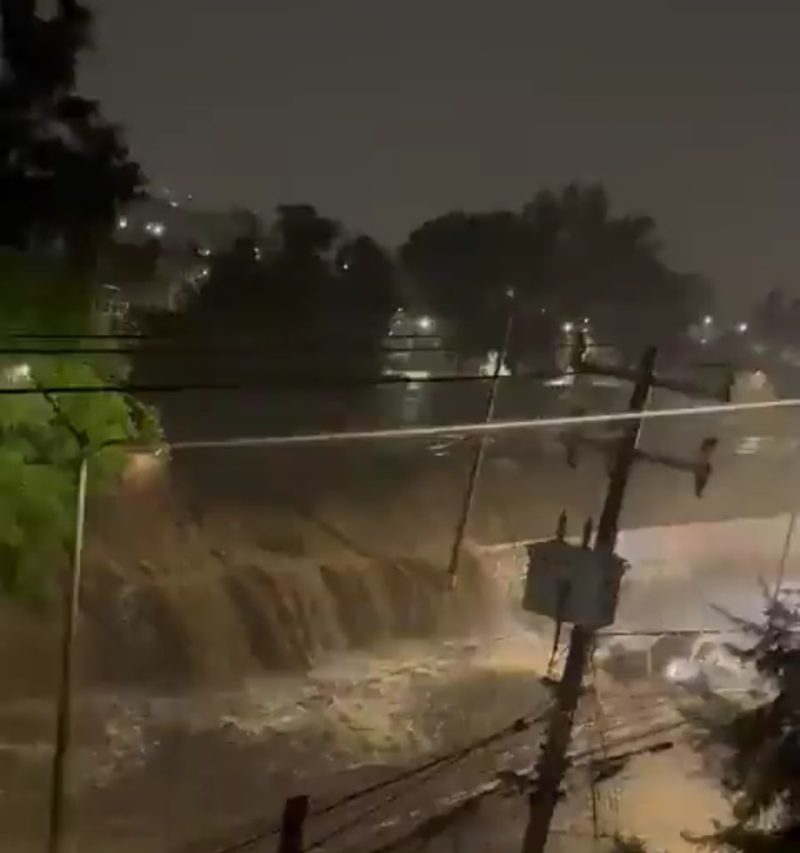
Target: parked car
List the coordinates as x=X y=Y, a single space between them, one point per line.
x=711 y=666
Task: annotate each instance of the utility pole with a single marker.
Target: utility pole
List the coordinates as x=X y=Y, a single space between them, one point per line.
x=553 y=759
x=480 y=452
x=295 y=811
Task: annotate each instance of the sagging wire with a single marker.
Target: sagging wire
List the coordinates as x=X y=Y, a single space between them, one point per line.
x=518 y=726
x=443 y=761
x=479 y=428
x=435 y=825
x=521 y=783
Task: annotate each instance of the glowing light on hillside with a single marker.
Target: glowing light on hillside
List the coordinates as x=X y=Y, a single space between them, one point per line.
x=157 y=229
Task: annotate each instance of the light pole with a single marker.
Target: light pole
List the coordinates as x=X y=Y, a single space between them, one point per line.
x=71 y=611
x=63 y=735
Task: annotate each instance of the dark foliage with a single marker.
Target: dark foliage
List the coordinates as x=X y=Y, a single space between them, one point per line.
x=564 y=256
x=762 y=773
x=310 y=311
x=64 y=170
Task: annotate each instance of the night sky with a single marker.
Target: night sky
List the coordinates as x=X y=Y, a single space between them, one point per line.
x=387 y=112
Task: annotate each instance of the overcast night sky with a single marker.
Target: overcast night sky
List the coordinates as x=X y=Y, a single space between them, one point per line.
x=384 y=113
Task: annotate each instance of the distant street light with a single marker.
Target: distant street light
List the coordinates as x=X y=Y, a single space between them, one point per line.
x=708 y=320
x=742 y=328
x=18 y=373
x=425 y=324
x=567 y=327
x=157 y=229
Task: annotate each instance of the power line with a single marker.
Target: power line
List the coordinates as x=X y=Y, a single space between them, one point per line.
x=282 y=383
x=440 y=822
x=673 y=632
x=470 y=428
x=185 y=341
x=179 y=349
x=440 y=762
x=436 y=765
x=137 y=336
x=517 y=725
x=359 y=818
x=479 y=428
x=288 y=382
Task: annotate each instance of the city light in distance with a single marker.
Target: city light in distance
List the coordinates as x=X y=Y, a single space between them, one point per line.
x=122 y=223
x=18 y=373
x=157 y=229
x=742 y=328
x=425 y=324
x=708 y=320
x=567 y=327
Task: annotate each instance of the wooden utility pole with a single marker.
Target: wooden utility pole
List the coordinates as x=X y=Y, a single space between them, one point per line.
x=294 y=817
x=553 y=759
x=480 y=453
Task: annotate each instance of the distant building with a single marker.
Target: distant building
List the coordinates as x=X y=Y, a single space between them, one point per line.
x=180 y=224
x=137 y=278
x=162 y=254
x=414 y=349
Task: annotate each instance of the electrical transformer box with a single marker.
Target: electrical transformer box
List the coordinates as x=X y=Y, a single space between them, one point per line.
x=573 y=584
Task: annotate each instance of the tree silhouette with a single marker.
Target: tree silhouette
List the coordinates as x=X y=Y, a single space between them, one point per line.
x=64 y=170
x=311 y=312
x=303 y=232
x=608 y=268
x=762 y=772
x=467 y=266
x=564 y=256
